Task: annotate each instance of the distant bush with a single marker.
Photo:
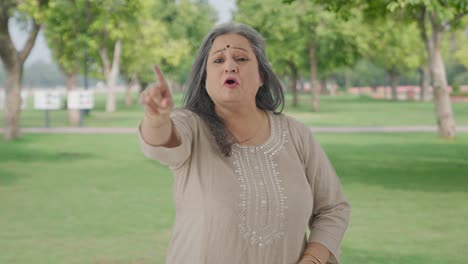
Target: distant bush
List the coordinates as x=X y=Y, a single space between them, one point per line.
x=464 y=94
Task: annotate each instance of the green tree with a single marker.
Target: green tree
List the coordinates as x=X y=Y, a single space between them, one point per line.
x=150 y=43
x=169 y=35
x=31 y=12
x=65 y=31
x=108 y=24
x=457 y=55
x=187 y=21
x=304 y=33
x=435 y=17
x=365 y=73
x=395 y=47
x=280 y=28
x=341 y=44
x=461 y=53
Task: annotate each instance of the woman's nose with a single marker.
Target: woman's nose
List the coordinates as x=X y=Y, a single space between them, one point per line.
x=230 y=66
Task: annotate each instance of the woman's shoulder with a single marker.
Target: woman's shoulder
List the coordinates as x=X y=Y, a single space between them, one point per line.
x=300 y=133
x=292 y=123
x=183 y=113
x=186 y=119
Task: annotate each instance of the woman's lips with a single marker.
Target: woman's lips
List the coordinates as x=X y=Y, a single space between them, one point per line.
x=231 y=82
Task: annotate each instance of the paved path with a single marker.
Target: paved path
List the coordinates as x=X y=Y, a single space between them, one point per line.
x=108 y=130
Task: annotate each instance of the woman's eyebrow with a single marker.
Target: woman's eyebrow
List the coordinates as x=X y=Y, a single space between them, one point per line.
x=223 y=49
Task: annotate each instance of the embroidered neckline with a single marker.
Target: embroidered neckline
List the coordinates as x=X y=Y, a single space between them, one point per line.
x=262 y=203
x=272 y=122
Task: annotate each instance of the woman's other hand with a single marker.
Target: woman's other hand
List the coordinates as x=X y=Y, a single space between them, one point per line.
x=157 y=101
x=156 y=127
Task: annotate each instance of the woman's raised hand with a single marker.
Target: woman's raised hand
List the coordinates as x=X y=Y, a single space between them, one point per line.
x=157 y=100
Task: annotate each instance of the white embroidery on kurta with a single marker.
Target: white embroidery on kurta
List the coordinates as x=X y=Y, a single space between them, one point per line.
x=262 y=202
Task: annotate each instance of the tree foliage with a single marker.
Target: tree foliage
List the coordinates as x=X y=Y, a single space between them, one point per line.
x=396 y=47
x=65 y=32
x=288 y=29
x=13 y=58
x=150 y=43
x=187 y=22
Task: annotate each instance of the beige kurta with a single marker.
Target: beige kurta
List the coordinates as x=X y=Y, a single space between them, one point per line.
x=253 y=207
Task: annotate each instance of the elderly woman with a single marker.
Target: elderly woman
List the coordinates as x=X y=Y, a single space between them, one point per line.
x=248 y=180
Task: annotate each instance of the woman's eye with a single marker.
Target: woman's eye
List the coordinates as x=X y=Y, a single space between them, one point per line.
x=218 y=61
x=242 y=59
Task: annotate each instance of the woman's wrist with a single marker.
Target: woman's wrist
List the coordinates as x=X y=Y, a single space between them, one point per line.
x=316 y=253
x=157 y=122
x=312 y=258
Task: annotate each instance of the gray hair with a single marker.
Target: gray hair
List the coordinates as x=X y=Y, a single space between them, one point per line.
x=269 y=97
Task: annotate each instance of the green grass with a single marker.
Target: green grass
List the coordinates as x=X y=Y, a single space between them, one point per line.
x=343 y=110
x=408 y=194
x=349 y=110
x=96 y=199
x=82 y=199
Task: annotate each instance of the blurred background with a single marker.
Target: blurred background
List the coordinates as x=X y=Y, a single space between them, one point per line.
x=383 y=84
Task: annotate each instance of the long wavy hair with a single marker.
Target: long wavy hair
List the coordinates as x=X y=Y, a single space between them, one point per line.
x=269 y=97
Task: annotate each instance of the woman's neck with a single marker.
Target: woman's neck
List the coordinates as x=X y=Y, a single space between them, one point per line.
x=243 y=114
x=248 y=125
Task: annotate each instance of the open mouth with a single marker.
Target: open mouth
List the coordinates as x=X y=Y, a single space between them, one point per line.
x=231 y=82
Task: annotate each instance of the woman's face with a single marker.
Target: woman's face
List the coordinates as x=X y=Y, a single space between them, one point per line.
x=232 y=75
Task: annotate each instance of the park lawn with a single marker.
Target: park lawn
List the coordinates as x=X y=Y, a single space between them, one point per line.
x=342 y=110
x=352 y=110
x=95 y=199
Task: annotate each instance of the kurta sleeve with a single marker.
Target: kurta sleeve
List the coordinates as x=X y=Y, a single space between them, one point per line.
x=330 y=215
x=185 y=124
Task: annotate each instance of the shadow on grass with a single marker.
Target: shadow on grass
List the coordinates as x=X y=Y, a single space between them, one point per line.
x=421 y=167
x=19 y=153
x=8 y=177
x=345 y=103
x=33 y=155
x=351 y=255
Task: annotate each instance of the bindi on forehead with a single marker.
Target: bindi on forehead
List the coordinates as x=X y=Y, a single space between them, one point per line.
x=228 y=46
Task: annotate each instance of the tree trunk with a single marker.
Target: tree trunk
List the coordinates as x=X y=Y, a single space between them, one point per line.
x=424 y=82
x=323 y=86
x=129 y=91
x=301 y=85
x=394 y=81
x=12 y=113
x=70 y=84
x=347 y=81
x=143 y=86
x=443 y=105
x=111 y=71
x=293 y=83
x=315 y=86
x=13 y=61
x=111 y=100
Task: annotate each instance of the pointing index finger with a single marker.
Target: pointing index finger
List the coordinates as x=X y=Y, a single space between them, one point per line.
x=159 y=74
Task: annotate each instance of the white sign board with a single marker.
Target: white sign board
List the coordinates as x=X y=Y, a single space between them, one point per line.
x=24 y=99
x=47 y=100
x=80 y=99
